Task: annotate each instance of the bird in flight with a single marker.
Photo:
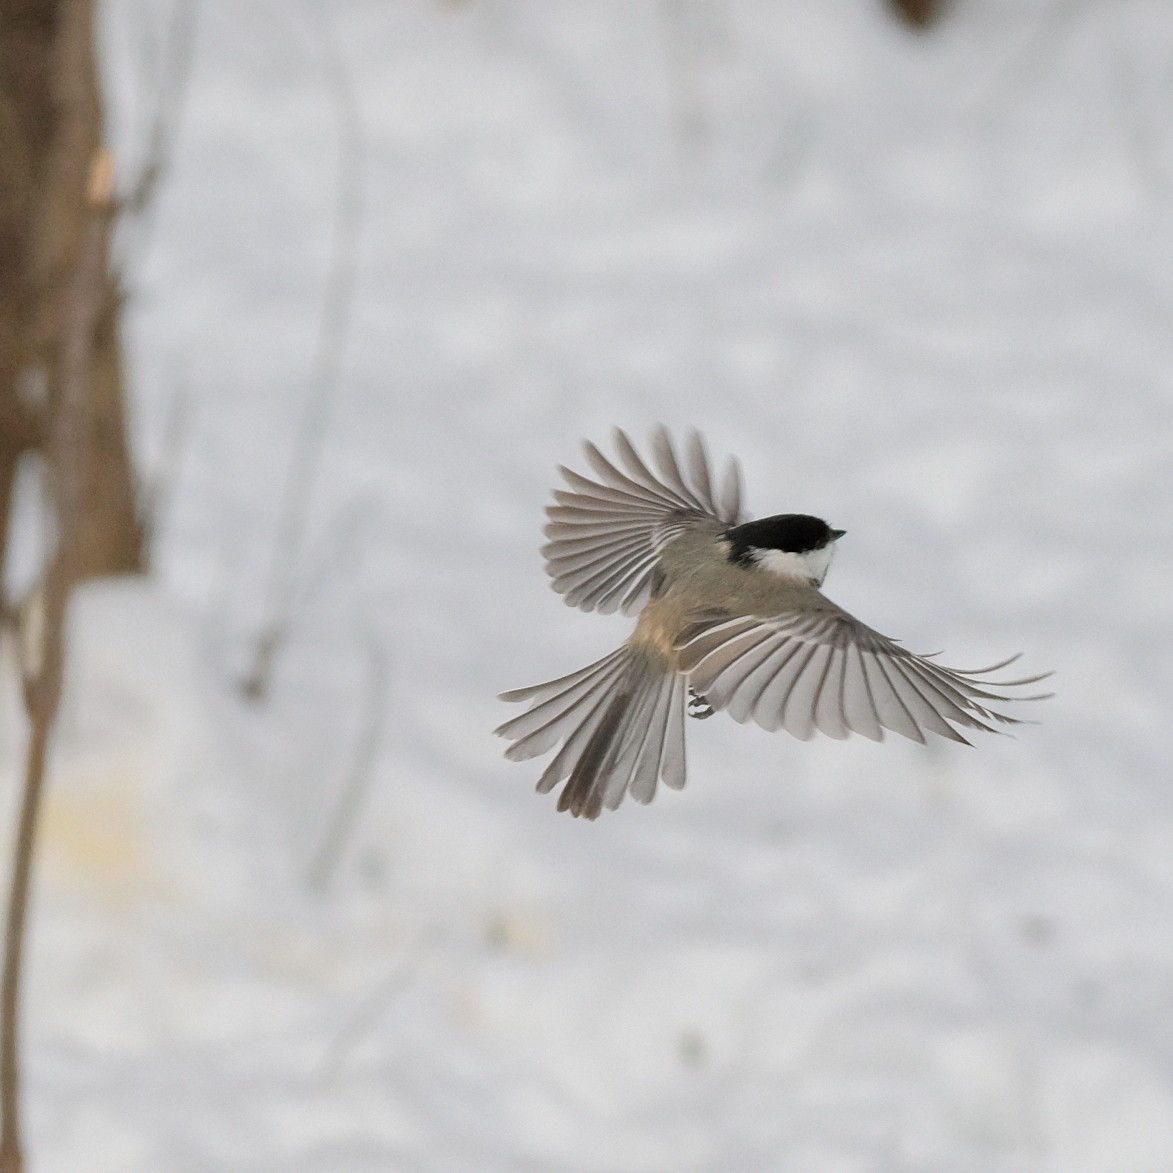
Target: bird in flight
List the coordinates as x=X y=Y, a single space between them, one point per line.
x=731 y=619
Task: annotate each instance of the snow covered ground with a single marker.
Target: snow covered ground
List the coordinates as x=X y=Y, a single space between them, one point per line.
x=922 y=286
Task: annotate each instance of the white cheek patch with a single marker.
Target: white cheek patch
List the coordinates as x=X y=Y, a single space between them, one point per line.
x=820 y=562
x=787 y=564
x=784 y=563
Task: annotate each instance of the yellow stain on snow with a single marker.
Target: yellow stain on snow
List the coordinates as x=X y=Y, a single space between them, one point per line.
x=94 y=839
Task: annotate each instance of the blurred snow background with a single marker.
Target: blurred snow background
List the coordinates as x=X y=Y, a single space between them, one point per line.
x=922 y=285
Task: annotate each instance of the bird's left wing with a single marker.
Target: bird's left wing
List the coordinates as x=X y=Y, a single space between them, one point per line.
x=824 y=671
x=606 y=534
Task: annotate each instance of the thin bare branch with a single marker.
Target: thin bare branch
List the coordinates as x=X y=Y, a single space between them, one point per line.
x=366 y=1015
x=157 y=495
x=337 y=302
x=70 y=431
x=175 y=69
x=350 y=799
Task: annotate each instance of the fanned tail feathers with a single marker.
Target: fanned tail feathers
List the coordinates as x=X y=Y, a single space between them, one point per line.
x=621 y=725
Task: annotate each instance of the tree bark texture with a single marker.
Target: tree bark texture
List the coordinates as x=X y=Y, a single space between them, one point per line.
x=50 y=126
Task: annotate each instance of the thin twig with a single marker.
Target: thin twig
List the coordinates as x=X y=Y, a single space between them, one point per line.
x=350 y=798
x=335 y=551
x=45 y=623
x=337 y=301
x=175 y=71
x=364 y=1017
x=157 y=497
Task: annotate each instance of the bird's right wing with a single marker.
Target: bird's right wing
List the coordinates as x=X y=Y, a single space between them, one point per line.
x=822 y=670
x=606 y=534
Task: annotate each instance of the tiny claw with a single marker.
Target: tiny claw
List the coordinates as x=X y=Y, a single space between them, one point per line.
x=698 y=706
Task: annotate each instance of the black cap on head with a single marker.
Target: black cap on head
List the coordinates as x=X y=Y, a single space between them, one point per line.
x=796 y=533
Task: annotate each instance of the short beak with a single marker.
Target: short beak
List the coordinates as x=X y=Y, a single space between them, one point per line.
x=836 y=534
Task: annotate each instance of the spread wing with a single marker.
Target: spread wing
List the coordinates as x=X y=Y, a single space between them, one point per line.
x=606 y=534
x=825 y=671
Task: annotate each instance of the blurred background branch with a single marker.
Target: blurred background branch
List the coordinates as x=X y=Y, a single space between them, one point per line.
x=337 y=301
x=918 y=13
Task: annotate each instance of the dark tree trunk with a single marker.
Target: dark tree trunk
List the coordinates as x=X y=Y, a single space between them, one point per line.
x=50 y=126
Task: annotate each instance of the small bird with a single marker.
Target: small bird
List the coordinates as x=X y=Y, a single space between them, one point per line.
x=731 y=618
